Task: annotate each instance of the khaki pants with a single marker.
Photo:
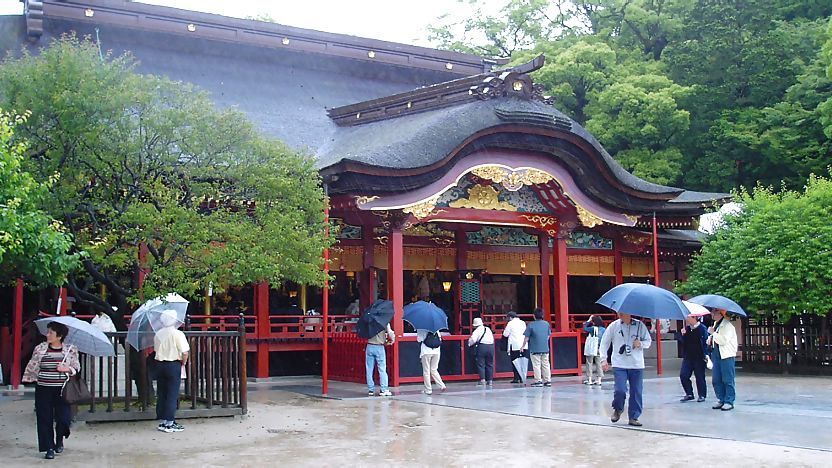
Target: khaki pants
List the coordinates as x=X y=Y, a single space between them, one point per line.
x=594 y=371
x=540 y=367
x=430 y=367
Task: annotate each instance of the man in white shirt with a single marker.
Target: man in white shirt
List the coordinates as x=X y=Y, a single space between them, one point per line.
x=516 y=346
x=629 y=338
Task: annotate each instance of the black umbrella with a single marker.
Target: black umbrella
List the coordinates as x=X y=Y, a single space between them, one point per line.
x=375 y=319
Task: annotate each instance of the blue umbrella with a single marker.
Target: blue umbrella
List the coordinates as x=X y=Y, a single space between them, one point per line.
x=83 y=335
x=715 y=301
x=644 y=300
x=374 y=320
x=425 y=316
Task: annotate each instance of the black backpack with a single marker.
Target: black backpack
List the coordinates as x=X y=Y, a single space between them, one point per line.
x=432 y=340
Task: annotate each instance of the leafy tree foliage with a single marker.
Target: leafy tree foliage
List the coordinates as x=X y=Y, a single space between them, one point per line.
x=747 y=75
x=774 y=256
x=145 y=162
x=32 y=244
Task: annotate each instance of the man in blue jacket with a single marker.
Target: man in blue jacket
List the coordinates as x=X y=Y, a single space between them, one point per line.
x=694 y=338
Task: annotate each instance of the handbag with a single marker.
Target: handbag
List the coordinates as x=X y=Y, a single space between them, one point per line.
x=592 y=343
x=476 y=348
x=75 y=391
x=708 y=363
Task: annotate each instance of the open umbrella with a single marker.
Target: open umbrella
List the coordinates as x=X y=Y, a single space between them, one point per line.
x=148 y=319
x=522 y=366
x=375 y=319
x=83 y=335
x=644 y=300
x=715 y=301
x=425 y=316
x=696 y=310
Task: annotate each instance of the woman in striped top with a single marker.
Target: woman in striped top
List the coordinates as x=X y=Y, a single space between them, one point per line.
x=51 y=366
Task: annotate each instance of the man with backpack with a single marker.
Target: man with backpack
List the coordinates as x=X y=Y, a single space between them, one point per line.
x=429 y=354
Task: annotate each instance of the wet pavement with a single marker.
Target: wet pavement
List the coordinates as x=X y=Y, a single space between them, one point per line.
x=566 y=425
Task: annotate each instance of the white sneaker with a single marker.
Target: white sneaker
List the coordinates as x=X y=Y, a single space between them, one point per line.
x=385 y=393
x=371 y=393
x=427 y=392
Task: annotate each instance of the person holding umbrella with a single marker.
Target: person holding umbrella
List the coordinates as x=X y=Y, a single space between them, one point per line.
x=724 y=340
x=51 y=366
x=172 y=352
x=628 y=338
x=694 y=338
x=514 y=332
x=428 y=319
x=374 y=325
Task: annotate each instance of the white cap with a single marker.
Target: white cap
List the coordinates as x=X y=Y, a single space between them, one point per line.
x=477 y=322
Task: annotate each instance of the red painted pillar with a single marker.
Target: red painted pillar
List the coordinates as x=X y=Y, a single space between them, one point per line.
x=367 y=291
x=561 y=286
x=261 y=313
x=395 y=276
x=618 y=265
x=17 y=334
x=657 y=282
x=143 y=251
x=325 y=306
x=545 y=279
x=461 y=265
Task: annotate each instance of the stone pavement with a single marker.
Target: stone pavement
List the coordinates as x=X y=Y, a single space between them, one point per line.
x=465 y=426
x=769 y=409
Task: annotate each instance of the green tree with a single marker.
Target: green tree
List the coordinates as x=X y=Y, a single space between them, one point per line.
x=32 y=244
x=638 y=120
x=774 y=256
x=575 y=74
x=145 y=161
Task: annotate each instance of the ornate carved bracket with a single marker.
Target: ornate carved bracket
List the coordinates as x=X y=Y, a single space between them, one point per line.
x=482 y=197
x=510 y=179
x=33 y=12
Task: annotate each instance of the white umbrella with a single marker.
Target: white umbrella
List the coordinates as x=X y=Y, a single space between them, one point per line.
x=696 y=310
x=152 y=316
x=84 y=336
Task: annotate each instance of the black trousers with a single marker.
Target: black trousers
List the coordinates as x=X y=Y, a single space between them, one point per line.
x=514 y=355
x=53 y=417
x=168 y=378
x=693 y=366
x=485 y=361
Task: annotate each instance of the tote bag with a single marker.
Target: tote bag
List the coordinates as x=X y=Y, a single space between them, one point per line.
x=592 y=343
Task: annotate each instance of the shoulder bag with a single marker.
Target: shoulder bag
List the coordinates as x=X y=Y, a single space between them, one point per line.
x=476 y=348
x=75 y=390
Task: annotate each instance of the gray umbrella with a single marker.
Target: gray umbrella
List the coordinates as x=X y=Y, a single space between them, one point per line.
x=84 y=336
x=522 y=366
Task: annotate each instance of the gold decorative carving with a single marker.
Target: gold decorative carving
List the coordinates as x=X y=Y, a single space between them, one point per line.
x=428 y=230
x=423 y=209
x=512 y=180
x=541 y=220
x=588 y=219
x=483 y=197
x=632 y=218
x=363 y=200
x=638 y=240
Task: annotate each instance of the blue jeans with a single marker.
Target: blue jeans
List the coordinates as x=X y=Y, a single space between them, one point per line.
x=635 y=377
x=376 y=357
x=724 y=375
x=693 y=367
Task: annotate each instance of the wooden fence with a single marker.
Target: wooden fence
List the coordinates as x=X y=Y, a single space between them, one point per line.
x=122 y=386
x=802 y=345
